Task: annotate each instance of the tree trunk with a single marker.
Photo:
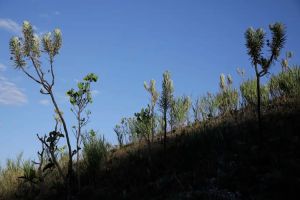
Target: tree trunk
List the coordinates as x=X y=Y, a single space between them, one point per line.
x=77 y=149
x=152 y=124
x=70 y=163
x=258 y=104
x=165 y=130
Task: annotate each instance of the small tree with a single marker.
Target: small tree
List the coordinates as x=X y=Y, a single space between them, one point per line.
x=166 y=100
x=121 y=131
x=27 y=49
x=143 y=125
x=255 y=41
x=154 y=97
x=80 y=100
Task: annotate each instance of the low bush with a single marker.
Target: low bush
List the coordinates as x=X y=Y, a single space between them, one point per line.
x=249 y=94
x=286 y=84
x=95 y=151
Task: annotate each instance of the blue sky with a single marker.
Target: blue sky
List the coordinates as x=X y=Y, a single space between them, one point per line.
x=125 y=43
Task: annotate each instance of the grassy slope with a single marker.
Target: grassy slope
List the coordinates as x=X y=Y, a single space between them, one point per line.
x=222 y=161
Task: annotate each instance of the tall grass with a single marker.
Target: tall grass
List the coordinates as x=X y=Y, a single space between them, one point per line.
x=95 y=151
x=9 y=177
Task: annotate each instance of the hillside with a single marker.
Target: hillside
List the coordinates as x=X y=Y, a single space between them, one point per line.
x=221 y=161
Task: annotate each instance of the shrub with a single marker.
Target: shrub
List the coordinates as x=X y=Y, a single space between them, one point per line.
x=95 y=151
x=208 y=106
x=249 y=94
x=286 y=84
x=9 y=177
x=179 y=111
x=227 y=98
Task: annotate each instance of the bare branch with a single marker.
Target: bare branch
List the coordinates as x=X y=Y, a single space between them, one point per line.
x=33 y=78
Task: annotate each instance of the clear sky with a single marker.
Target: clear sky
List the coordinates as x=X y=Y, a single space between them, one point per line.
x=127 y=42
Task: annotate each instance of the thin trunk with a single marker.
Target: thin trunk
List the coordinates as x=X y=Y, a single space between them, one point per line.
x=77 y=149
x=152 y=124
x=258 y=103
x=171 y=120
x=68 y=177
x=165 y=131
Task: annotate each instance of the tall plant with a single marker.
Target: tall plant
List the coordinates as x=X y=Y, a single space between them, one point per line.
x=80 y=99
x=255 y=41
x=29 y=49
x=165 y=100
x=143 y=125
x=227 y=97
x=154 y=97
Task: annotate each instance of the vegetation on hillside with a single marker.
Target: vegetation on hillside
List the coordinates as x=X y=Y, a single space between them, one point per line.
x=222 y=152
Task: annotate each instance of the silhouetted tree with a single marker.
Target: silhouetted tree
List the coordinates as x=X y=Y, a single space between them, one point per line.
x=79 y=100
x=27 y=49
x=255 y=41
x=143 y=125
x=165 y=100
x=121 y=131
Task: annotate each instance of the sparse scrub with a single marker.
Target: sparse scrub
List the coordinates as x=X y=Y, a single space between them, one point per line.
x=216 y=158
x=286 y=84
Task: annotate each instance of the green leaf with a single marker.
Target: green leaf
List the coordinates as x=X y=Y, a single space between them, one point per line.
x=80 y=85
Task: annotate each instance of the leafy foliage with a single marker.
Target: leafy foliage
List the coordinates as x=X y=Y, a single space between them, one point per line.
x=154 y=97
x=83 y=95
x=165 y=100
x=286 y=83
x=95 y=151
x=166 y=96
x=249 y=94
x=228 y=97
x=143 y=123
x=208 y=106
x=179 y=110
